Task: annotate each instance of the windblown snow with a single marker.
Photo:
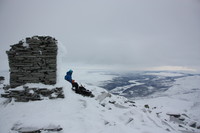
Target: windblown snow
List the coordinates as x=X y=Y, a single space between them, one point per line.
x=173 y=111
x=105 y=112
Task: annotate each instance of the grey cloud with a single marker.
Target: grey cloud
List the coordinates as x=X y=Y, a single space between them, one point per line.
x=135 y=33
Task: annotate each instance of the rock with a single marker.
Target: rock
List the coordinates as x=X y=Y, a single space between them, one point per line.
x=168 y=129
x=128 y=101
x=193 y=124
x=112 y=102
x=44 y=92
x=176 y=120
x=180 y=125
x=33 y=94
x=106 y=122
x=146 y=106
x=181 y=119
x=27 y=129
x=174 y=115
x=6 y=95
x=129 y=120
x=103 y=104
x=2 y=78
x=60 y=95
x=133 y=105
x=185 y=115
x=51 y=128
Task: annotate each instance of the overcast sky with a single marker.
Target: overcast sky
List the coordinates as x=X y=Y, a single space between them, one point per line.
x=131 y=33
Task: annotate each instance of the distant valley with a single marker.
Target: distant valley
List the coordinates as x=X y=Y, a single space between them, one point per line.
x=141 y=84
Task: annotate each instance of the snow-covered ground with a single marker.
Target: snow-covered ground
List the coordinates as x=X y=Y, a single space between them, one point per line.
x=182 y=97
x=105 y=112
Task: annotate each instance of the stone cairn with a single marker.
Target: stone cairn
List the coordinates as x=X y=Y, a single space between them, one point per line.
x=33 y=60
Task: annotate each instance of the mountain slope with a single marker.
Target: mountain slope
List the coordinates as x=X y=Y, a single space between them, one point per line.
x=104 y=113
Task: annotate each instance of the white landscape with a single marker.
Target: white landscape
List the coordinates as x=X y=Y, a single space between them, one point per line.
x=105 y=113
x=139 y=58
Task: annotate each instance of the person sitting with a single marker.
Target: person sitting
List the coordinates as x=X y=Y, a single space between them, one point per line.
x=68 y=77
x=75 y=87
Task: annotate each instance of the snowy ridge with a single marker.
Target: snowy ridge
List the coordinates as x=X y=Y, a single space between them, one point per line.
x=165 y=74
x=103 y=114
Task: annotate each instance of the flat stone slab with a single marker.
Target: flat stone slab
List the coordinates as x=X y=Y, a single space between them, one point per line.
x=50 y=128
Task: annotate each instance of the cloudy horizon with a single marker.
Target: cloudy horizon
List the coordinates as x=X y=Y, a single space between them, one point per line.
x=137 y=34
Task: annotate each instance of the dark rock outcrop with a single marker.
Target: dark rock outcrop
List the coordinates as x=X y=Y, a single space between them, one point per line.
x=1 y=79
x=183 y=120
x=146 y=106
x=33 y=94
x=174 y=115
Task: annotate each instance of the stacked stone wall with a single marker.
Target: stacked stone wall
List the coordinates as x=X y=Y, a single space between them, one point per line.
x=33 y=60
x=27 y=94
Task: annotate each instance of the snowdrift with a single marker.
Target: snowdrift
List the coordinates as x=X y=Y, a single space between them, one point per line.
x=104 y=113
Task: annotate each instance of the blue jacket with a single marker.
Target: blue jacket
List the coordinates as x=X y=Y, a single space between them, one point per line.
x=68 y=76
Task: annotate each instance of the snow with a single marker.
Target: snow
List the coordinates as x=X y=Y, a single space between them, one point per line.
x=62 y=51
x=165 y=74
x=26 y=45
x=183 y=97
x=79 y=114
x=105 y=113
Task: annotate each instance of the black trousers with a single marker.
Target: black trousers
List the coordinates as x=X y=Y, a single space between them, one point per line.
x=75 y=84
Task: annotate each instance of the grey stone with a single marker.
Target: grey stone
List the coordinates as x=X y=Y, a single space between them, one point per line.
x=146 y=106
x=174 y=115
x=35 y=63
x=2 y=78
x=21 y=129
x=33 y=94
x=193 y=124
